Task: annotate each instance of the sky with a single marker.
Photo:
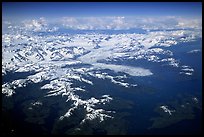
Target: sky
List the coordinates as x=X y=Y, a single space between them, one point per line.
x=25 y=10
x=39 y=16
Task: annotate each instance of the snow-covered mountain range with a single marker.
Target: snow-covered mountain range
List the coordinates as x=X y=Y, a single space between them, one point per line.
x=64 y=58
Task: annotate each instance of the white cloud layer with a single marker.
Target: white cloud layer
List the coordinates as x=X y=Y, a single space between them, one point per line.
x=108 y=23
x=124 y=23
x=38 y=25
x=90 y=23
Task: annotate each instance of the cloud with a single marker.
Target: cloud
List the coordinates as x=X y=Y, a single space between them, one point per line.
x=108 y=23
x=40 y=25
x=186 y=23
x=95 y=23
x=35 y=25
x=124 y=23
